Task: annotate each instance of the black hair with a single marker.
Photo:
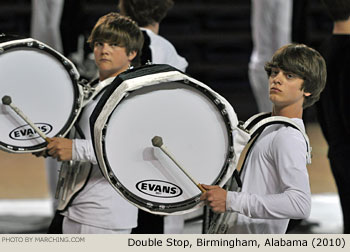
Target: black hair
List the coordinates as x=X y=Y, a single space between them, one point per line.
x=146 y=12
x=339 y=10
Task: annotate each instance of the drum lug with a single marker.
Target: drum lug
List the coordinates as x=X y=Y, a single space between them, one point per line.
x=111 y=177
x=232 y=149
x=72 y=73
x=41 y=46
x=104 y=132
x=30 y=44
x=87 y=91
x=217 y=101
x=1 y=50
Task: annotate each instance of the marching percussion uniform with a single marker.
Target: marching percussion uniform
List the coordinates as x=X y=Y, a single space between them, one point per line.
x=275 y=183
x=275 y=179
x=161 y=51
x=98 y=207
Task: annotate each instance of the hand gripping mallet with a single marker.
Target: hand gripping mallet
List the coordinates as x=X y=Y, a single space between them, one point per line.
x=157 y=141
x=6 y=100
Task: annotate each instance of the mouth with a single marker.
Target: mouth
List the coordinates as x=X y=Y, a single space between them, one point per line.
x=275 y=90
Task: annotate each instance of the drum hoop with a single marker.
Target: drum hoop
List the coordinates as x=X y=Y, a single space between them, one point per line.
x=168 y=208
x=74 y=76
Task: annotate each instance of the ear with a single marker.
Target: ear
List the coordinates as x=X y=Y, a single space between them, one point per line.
x=132 y=55
x=307 y=94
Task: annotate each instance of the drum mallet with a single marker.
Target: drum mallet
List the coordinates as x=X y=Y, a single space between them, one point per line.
x=6 y=100
x=157 y=141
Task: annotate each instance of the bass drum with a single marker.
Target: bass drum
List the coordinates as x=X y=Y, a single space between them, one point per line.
x=43 y=84
x=195 y=123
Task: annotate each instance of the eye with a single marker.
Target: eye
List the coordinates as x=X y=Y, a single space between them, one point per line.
x=97 y=44
x=274 y=72
x=114 y=44
x=290 y=76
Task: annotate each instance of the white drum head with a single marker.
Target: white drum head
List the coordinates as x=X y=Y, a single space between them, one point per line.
x=43 y=85
x=194 y=129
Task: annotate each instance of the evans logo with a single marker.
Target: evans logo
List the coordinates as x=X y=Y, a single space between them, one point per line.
x=158 y=188
x=26 y=132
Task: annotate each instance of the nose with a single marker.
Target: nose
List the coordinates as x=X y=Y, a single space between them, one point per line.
x=105 y=48
x=277 y=79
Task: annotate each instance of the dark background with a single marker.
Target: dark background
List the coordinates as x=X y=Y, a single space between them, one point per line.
x=213 y=35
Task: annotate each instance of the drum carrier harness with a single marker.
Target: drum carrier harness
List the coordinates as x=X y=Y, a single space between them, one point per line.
x=248 y=133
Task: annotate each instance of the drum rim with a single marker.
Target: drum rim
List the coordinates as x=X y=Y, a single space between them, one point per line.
x=73 y=74
x=188 y=203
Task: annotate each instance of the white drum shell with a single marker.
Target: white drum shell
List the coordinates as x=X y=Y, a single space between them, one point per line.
x=37 y=79
x=191 y=127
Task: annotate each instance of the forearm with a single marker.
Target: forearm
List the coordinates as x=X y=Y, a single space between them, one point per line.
x=287 y=205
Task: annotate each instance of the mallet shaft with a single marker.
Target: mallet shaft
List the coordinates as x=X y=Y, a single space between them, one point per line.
x=159 y=144
x=25 y=118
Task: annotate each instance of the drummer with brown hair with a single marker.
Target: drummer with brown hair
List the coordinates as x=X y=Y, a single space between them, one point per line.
x=98 y=209
x=275 y=179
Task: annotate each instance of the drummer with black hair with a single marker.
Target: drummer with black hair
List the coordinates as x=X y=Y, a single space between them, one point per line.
x=148 y=14
x=275 y=179
x=116 y=41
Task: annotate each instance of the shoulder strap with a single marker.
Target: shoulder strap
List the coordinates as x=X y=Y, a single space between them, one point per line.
x=146 y=55
x=262 y=124
x=247 y=125
x=254 y=126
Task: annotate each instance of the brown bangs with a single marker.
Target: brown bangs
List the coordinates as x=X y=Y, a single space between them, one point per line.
x=107 y=34
x=290 y=60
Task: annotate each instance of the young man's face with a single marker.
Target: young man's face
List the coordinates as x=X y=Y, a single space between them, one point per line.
x=111 y=59
x=285 y=89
